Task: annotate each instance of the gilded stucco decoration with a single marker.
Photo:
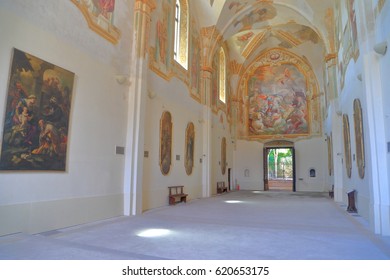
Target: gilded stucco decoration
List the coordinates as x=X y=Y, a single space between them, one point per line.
x=280 y=94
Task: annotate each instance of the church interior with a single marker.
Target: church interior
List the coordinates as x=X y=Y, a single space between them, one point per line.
x=227 y=122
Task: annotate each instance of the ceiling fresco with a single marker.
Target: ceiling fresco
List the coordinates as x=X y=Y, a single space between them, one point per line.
x=289 y=36
x=278 y=49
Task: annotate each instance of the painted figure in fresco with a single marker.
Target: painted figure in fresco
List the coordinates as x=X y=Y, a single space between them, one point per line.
x=195 y=61
x=162 y=34
x=105 y=7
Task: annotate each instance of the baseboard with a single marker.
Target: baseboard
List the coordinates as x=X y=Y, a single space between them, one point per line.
x=49 y=215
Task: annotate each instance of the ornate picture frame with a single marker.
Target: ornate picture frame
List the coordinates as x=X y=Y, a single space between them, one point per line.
x=223 y=156
x=359 y=137
x=347 y=146
x=166 y=127
x=330 y=154
x=37 y=113
x=190 y=147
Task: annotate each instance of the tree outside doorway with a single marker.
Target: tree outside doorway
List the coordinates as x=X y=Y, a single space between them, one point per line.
x=280 y=169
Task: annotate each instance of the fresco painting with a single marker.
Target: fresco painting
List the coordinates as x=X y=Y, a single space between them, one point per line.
x=277 y=101
x=100 y=17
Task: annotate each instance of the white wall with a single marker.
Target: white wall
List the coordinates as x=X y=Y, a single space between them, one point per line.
x=309 y=154
x=220 y=129
x=170 y=96
x=380 y=202
x=249 y=155
x=91 y=187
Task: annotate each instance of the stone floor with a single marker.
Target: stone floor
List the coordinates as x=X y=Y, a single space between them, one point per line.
x=240 y=225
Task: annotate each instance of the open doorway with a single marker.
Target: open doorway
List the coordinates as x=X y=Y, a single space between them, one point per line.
x=279 y=171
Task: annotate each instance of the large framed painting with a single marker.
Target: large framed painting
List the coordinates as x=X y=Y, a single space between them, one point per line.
x=347 y=146
x=166 y=142
x=223 y=156
x=359 y=137
x=189 y=146
x=37 y=111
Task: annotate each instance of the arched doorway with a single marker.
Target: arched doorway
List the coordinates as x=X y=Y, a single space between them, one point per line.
x=279 y=166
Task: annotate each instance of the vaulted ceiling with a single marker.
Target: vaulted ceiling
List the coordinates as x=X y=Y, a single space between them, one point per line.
x=302 y=32
x=249 y=27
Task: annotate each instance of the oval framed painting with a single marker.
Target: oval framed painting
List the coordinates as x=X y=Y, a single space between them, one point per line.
x=189 y=146
x=166 y=142
x=347 y=146
x=223 y=156
x=359 y=137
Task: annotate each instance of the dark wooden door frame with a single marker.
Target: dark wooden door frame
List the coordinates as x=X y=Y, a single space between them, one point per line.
x=265 y=165
x=229 y=179
x=266 y=151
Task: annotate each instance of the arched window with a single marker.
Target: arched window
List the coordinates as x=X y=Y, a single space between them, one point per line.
x=222 y=76
x=180 y=53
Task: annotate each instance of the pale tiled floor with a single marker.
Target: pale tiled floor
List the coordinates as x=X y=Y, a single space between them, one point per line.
x=243 y=225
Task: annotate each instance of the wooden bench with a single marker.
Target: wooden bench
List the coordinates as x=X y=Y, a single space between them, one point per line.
x=221 y=188
x=176 y=194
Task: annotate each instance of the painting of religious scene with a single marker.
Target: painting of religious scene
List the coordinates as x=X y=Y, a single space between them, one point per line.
x=215 y=81
x=100 y=17
x=277 y=101
x=347 y=145
x=165 y=142
x=223 y=156
x=195 y=62
x=359 y=137
x=163 y=32
x=189 y=146
x=36 y=123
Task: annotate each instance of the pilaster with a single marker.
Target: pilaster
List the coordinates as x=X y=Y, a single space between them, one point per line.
x=136 y=108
